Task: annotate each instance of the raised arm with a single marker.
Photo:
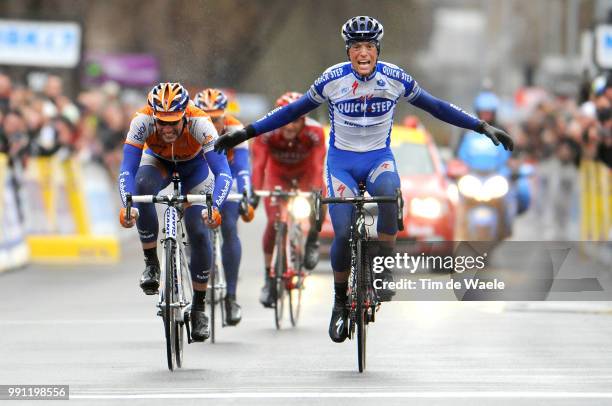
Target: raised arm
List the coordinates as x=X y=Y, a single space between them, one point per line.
x=273 y=120
x=456 y=116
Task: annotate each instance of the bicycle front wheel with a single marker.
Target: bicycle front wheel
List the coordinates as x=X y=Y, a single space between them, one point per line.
x=178 y=347
x=361 y=309
x=180 y=317
x=278 y=283
x=212 y=292
x=296 y=282
x=168 y=312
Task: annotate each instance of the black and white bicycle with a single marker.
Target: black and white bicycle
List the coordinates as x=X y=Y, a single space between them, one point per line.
x=175 y=291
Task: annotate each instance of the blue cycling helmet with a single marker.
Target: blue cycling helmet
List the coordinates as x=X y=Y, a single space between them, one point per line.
x=362 y=28
x=486 y=101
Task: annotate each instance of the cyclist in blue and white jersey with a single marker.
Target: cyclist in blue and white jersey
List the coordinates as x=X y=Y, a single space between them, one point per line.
x=361 y=95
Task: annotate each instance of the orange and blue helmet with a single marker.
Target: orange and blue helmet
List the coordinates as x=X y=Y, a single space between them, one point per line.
x=287 y=98
x=168 y=101
x=213 y=101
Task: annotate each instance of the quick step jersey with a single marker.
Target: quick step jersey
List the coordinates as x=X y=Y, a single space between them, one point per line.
x=361 y=109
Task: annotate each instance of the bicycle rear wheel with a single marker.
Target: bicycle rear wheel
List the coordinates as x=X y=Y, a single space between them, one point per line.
x=167 y=310
x=278 y=283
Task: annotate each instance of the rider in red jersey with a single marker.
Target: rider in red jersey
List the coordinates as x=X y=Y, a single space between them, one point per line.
x=295 y=151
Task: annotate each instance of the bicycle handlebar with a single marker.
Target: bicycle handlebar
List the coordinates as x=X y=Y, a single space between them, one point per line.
x=282 y=193
x=359 y=200
x=167 y=199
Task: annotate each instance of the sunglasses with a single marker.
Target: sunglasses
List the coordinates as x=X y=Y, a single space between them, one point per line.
x=162 y=123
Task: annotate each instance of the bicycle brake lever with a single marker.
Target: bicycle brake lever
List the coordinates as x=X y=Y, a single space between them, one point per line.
x=128 y=207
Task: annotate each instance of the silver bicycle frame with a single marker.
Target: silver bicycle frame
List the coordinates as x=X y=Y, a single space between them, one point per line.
x=174 y=231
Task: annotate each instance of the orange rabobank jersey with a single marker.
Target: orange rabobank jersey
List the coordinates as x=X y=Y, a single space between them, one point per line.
x=199 y=134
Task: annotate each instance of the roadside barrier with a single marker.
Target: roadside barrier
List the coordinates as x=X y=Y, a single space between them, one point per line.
x=14 y=251
x=68 y=208
x=596 y=208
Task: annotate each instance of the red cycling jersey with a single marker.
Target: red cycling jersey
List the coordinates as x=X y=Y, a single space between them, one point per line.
x=277 y=161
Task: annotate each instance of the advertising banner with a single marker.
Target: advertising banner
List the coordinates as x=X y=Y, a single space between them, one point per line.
x=40 y=43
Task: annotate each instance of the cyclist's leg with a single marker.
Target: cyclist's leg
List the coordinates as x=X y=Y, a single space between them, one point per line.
x=269 y=236
x=231 y=253
x=196 y=179
x=383 y=179
x=152 y=176
x=231 y=249
x=340 y=183
x=272 y=208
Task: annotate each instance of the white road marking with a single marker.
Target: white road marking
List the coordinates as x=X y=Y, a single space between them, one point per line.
x=152 y=320
x=55 y=322
x=408 y=395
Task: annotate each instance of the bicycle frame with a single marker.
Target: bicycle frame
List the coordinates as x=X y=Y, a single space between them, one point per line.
x=174 y=233
x=362 y=301
x=174 y=299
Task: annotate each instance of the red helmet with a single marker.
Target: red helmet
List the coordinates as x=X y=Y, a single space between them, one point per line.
x=287 y=98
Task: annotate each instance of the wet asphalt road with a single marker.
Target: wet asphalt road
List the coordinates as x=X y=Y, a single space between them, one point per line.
x=90 y=327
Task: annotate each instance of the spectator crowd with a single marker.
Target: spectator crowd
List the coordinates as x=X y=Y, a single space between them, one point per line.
x=48 y=122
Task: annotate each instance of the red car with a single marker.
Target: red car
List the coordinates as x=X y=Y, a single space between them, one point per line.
x=429 y=198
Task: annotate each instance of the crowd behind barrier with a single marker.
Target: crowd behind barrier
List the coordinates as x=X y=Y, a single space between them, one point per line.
x=52 y=144
x=568 y=140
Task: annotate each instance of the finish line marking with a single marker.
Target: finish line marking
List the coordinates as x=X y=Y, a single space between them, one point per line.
x=410 y=395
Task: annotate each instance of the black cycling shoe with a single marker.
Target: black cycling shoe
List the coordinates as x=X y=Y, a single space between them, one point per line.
x=338 y=325
x=200 y=330
x=311 y=255
x=233 y=312
x=385 y=294
x=265 y=298
x=149 y=281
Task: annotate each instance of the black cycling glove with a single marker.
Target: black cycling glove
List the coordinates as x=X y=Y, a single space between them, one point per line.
x=496 y=135
x=228 y=141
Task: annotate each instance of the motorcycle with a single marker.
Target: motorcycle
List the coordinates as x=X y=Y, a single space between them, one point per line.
x=490 y=194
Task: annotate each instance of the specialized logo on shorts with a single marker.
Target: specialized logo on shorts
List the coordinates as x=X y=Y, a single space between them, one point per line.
x=387 y=166
x=368 y=107
x=340 y=189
